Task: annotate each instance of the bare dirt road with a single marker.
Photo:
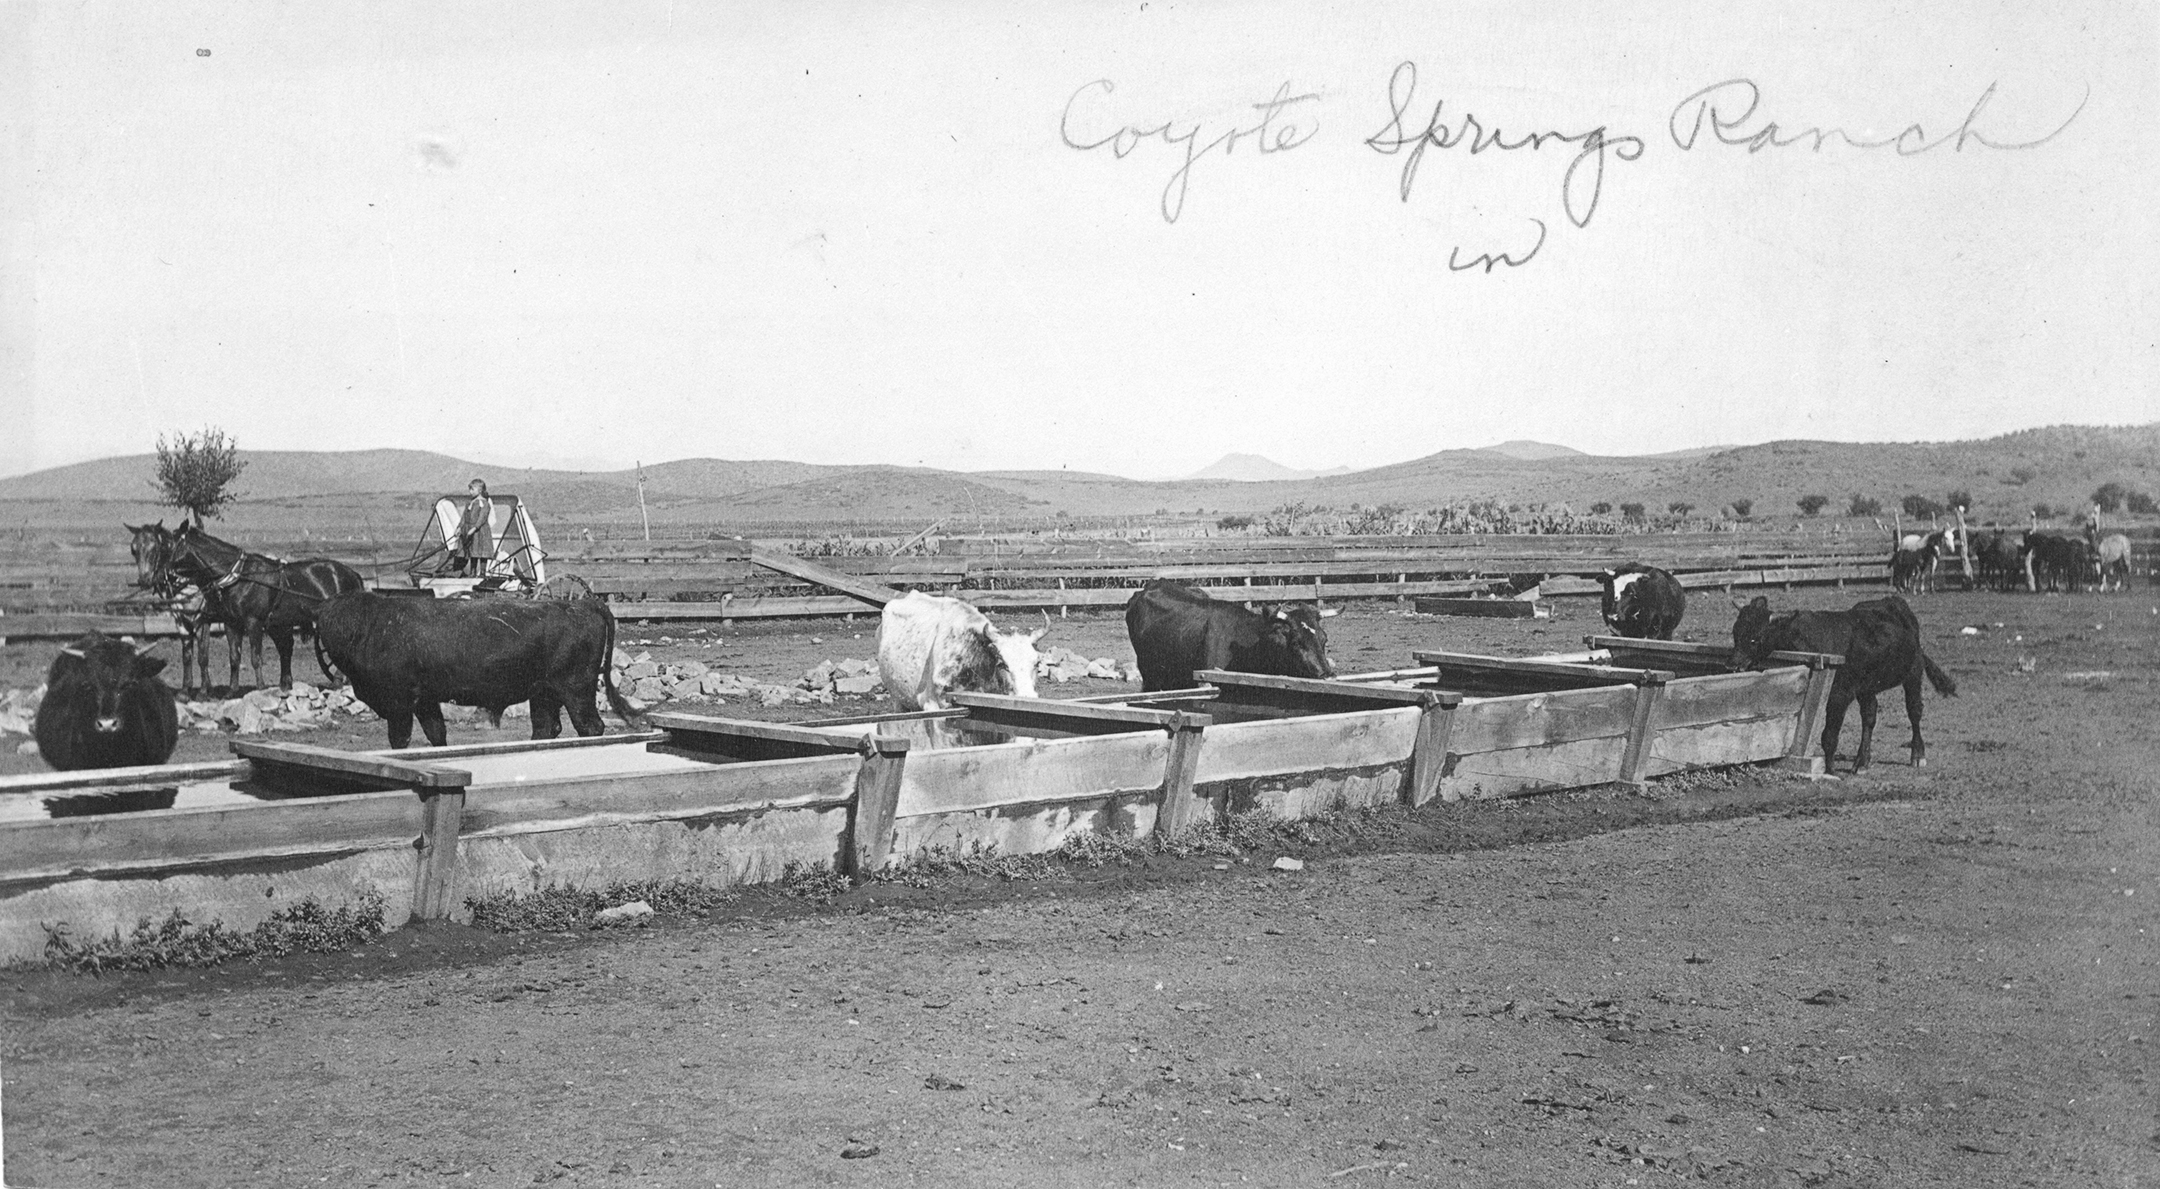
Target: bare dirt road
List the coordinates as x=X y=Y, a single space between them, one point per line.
x=1940 y=976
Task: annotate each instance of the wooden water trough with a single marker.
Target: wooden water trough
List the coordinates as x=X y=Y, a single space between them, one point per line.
x=725 y=801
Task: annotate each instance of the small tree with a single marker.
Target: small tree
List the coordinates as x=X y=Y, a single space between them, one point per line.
x=2110 y=496
x=2140 y=504
x=2020 y=476
x=195 y=472
x=2043 y=511
x=1600 y=508
x=1864 y=506
x=1920 y=507
x=1961 y=498
x=1632 y=512
x=1741 y=507
x=1679 y=507
x=1812 y=504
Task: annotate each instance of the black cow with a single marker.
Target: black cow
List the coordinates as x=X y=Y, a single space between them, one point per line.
x=1880 y=641
x=1642 y=602
x=406 y=655
x=1177 y=631
x=104 y=707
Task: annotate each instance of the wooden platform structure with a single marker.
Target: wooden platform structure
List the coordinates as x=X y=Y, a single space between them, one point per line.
x=725 y=801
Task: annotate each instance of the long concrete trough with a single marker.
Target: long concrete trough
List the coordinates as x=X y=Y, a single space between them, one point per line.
x=725 y=801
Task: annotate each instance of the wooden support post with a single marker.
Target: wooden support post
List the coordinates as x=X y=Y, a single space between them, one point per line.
x=1804 y=754
x=877 y=798
x=1428 y=757
x=1640 y=733
x=1181 y=807
x=442 y=810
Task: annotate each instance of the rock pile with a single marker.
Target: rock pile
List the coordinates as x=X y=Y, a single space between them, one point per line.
x=304 y=707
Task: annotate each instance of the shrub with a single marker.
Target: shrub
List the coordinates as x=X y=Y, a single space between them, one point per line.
x=1679 y=507
x=1864 y=506
x=2110 y=496
x=1742 y=507
x=1961 y=498
x=306 y=927
x=2019 y=476
x=2140 y=503
x=195 y=472
x=2042 y=511
x=1632 y=512
x=1234 y=522
x=1812 y=504
x=1600 y=508
x=1920 y=507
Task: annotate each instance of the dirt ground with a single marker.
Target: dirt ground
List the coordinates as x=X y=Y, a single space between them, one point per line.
x=1940 y=976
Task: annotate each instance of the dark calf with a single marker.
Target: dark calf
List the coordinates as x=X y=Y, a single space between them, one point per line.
x=1880 y=641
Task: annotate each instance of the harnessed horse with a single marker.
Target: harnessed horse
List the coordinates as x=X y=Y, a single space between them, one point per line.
x=246 y=592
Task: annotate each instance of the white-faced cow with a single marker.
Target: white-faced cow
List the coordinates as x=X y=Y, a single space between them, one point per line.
x=1178 y=631
x=930 y=646
x=1642 y=602
x=104 y=707
x=408 y=655
x=1880 y=641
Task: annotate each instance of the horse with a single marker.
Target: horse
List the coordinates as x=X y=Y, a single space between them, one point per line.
x=250 y=593
x=152 y=547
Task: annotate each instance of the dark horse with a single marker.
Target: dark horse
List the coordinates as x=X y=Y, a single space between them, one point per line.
x=248 y=593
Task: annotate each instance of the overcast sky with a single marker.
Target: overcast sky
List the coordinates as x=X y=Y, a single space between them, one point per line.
x=873 y=232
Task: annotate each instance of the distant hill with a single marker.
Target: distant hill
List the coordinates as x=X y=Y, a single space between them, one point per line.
x=1252 y=468
x=385 y=489
x=1529 y=451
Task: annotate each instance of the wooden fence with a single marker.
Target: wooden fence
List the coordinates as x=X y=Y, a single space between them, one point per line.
x=732 y=579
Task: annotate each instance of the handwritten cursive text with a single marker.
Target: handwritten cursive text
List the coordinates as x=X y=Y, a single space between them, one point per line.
x=1730 y=106
x=1579 y=194
x=1276 y=130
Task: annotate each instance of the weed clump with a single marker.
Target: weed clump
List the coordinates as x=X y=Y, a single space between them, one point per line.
x=558 y=909
x=306 y=927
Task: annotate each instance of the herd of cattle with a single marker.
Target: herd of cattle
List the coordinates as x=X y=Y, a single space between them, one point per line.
x=407 y=655
x=2003 y=559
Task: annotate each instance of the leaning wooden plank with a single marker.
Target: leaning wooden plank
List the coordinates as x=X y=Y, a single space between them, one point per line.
x=114 y=779
x=1087 y=717
x=1536 y=720
x=1486 y=608
x=165 y=839
x=1360 y=739
x=1035 y=772
x=1723 y=697
x=710 y=733
x=1500 y=664
x=1232 y=684
x=868 y=592
x=521 y=746
x=353 y=763
x=542 y=806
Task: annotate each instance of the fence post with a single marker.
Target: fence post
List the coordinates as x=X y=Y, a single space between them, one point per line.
x=877 y=798
x=1641 y=734
x=1804 y=754
x=1428 y=756
x=442 y=811
x=1181 y=807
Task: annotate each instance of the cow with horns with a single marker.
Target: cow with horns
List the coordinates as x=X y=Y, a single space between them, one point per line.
x=1177 y=631
x=1880 y=641
x=104 y=707
x=931 y=646
x=1642 y=602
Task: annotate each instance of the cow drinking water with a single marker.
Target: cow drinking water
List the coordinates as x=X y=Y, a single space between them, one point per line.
x=930 y=646
x=1880 y=641
x=104 y=707
x=1177 y=631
